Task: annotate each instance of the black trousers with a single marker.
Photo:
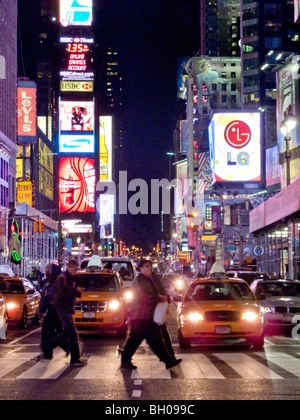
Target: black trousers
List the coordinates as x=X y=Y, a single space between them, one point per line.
x=51 y=329
x=141 y=329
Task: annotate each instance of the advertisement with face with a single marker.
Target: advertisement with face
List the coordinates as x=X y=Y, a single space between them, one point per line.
x=76 y=12
x=76 y=116
x=235 y=146
x=76 y=185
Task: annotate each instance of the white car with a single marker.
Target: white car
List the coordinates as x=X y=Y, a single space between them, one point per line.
x=279 y=300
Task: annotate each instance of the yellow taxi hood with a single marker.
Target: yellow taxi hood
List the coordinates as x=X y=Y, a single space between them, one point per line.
x=222 y=305
x=91 y=295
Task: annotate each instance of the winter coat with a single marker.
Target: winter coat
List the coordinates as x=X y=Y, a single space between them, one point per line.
x=146 y=296
x=65 y=293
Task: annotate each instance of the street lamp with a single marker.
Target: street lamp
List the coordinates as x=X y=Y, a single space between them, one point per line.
x=288 y=124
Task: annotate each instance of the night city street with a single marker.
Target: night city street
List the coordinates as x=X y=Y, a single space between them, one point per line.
x=226 y=372
x=149 y=203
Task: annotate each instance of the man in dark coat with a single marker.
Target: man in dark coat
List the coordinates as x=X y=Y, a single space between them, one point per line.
x=142 y=326
x=51 y=326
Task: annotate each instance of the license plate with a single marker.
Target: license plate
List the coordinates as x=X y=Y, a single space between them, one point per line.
x=223 y=329
x=89 y=314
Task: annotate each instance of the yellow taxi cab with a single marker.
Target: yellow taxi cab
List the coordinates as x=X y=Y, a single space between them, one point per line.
x=218 y=307
x=22 y=299
x=102 y=307
x=3 y=317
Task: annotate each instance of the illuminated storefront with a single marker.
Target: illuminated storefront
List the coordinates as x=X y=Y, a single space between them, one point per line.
x=276 y=224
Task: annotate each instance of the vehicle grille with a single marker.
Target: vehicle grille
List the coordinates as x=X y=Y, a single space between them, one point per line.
x=280 y=309
x=222 y=316
x=90 y=306
x=285 y=310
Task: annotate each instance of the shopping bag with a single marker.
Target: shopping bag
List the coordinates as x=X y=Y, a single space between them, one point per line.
x=161 y=313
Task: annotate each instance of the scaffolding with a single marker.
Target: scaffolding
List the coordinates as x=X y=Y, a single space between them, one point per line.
x=39 y=247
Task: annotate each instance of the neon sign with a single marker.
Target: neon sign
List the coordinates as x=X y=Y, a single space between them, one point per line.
x=76 y=185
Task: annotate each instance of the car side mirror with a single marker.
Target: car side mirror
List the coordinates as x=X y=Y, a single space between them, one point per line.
x=30 y=292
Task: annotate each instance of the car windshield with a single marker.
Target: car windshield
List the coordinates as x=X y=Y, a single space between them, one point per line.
x=219 y=290
x=277 y=288
x=122 y=267
x=11 y=287
x=97 y=282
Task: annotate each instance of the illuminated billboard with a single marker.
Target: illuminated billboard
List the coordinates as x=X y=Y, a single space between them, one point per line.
x=26 y=103
x=76 y=58
x=235 y=146
x=107 y=211
x=77 y=143
x=80 y=86
x=75 y=12
x=76 y=185
x=76 y=116
x=105 y=147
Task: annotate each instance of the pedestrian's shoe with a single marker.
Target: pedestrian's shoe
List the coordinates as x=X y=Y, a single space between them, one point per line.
x=172 y=363
x=79 y=363
x=128 y=366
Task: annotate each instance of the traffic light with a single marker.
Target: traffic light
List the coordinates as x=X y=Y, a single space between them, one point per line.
x=38 y=226
x=14 y=245
x=110 y=247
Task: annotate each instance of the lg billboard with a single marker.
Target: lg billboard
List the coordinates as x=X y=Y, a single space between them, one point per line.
x=235 y=146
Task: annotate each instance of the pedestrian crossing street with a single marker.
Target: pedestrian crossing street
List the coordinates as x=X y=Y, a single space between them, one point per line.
x=271 y=364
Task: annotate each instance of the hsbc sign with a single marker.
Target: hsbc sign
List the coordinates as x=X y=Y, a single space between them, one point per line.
x=74 y=86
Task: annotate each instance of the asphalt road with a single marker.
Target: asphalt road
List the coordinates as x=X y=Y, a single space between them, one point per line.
x=219 y=372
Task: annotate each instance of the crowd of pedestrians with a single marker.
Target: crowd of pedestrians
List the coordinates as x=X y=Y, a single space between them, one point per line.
x=57 y=307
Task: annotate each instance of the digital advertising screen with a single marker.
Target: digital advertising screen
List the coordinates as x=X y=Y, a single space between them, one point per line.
x=235 y=146
x=77 y=143
x=105 y=147
x=76 y=185
x=76 y=12
x=107 y=211
x=76 y=59
x=76 y=116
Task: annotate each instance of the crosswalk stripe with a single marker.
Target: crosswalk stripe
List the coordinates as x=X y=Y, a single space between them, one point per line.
x=285 y=361
x=149 y=367
x=13 y=361
x=47 y=369
x=247 y=367
x=99 y=367
x=196 y=366
x=193 y=366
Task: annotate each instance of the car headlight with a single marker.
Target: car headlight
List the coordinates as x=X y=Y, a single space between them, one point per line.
x=249 y=316
x=128 y=295
x=195 y=317
x=12 y=305
x=266 y=309
x=113 y=305
x=179 y=284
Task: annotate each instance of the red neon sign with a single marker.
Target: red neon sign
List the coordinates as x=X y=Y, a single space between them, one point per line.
x=76 y=185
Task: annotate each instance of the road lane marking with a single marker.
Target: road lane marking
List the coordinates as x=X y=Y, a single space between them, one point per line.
x=285 y=361
x=247 y=367
x=47 y=369
x=14 y=360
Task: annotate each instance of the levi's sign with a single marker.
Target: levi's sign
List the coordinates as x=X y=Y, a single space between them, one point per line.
x=26 y=112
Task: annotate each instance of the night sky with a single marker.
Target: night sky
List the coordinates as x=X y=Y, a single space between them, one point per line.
x=149 y=35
